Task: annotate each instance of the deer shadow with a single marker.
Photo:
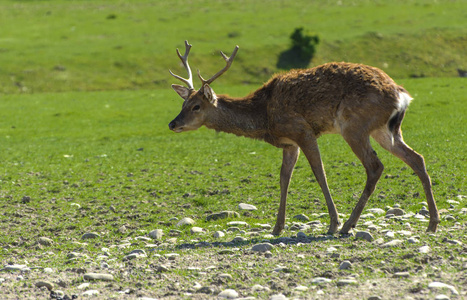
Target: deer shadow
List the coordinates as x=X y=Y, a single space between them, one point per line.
x=293 y=58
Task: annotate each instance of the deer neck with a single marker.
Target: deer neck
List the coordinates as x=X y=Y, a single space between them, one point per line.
x=243 y=117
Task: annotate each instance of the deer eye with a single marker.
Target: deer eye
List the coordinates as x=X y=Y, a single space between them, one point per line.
x=196 y=108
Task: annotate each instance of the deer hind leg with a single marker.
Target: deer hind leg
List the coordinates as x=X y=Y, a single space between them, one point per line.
x=289 y=159
x=309 y=146
x=362 y=148
x=394 y=143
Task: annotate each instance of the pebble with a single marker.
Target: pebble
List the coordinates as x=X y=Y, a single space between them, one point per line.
x=48 y=270
x=90 y=293
x=392 y=243
x=278 y=297
x=263 y=247
x=301 y=288
x=45 y=241
x=222 y=215
x=454 y=242
x=424 y=249
x=258 y=288
x=374 y=298
x=98 y=276
x=195 y=230
x=16 y=268
x=301 y=235
x=244 y=206
x=412 y=240
x=343 y=282
x=378 y=211
x=83 y=286
x=218 y=234
x=441 y=297
x=320 y=280
x=90 y=235
x=364 y=235
x=238 y=223
x=395 y=211
x=302 y=217
x=345 y=265
x=156 y=234
x=440 y=285
x=47 y=284
x=239 y=239
x=185 y=221
x=228 y=294
x=225 y=276
x=401 y=275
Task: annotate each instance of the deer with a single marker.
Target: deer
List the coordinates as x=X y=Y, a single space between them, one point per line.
x=293 y=109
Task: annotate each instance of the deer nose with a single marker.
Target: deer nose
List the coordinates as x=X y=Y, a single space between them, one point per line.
x=172 y=125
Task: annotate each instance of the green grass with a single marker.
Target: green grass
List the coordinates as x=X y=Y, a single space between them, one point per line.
x=48 y=46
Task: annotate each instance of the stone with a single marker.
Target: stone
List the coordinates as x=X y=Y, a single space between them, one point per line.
x=345 y=265
x=45 y=241
x=344 y=282
x=320 y=280
x=222 y=215
x=440 y=285
x=244 y=206
x=16 y=268
x=301 y=217
x=378 y=211
x=218 y=234
x=98 y=276
x=424 y=249
x=395 y=211
x=90 y=293
x=441 y=297
x=301 y=235
x=156 y=234
x=374 y=298
x=278 y=297
x=228 y=294
x=47 y=284
x=238 y=224
x=196 y=230
x=364 y=235
x=263 y=247
x=225 y=276
x=185 y=221
x=83 y=286
x=392 y=243
x=90 y=235
x=239 y=239
x=301 y=288
x=401 y=275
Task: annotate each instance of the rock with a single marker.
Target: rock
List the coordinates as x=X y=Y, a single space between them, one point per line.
x=377 y=211
x=441 y=297
x=301 y=217
x=301 y=288
x=90 y=293
x=48 y=270
x=205 y=290
x=139 y=252
x=424 y=249
x=364 y=235
x=185 y=221
x=278 y=297
x=263 y=247
x=196 y=230
x=239 y=239
x=374 y=298
x=218 y=234
x=395 y=211
x=259 y=288
x=238 y=224
x=47 y=284
x=345 y=265
x=225 y=276
x=301 y=235
x=228 y=294
x=440 y=285
x=90 y=235
x=156 y=234
x=454 y=242
x=392 y=243
x=222 y=215
x=343 y=282
x=45 y=241
x=320 y=280
x=244 y=206
x=401 y=275
x=98 y=276
x=83 y=286
x=16 y=268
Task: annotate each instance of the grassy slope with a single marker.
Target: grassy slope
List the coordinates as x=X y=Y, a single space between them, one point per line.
x=103 y=45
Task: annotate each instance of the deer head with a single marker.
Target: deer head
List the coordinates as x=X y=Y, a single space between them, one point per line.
x=197 y=103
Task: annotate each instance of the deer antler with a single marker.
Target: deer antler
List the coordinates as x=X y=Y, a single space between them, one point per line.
x=184 y=59
x=228 y=60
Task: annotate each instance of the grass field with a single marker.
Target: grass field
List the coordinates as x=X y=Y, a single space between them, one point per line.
x=84 y=146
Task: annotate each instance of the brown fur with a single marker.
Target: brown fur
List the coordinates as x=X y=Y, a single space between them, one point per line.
x=293 y=109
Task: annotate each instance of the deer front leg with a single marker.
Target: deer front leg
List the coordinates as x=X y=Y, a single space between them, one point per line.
x=289 y=159
x=309 y=146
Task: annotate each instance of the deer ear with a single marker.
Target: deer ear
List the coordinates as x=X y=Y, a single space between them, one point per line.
x=184 y=92
x=210 y=94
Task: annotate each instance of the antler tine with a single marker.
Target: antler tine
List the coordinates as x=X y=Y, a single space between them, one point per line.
x=228 y=60
x=184 y=59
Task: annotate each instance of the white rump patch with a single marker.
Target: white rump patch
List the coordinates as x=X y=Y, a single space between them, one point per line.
x=403 y=100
